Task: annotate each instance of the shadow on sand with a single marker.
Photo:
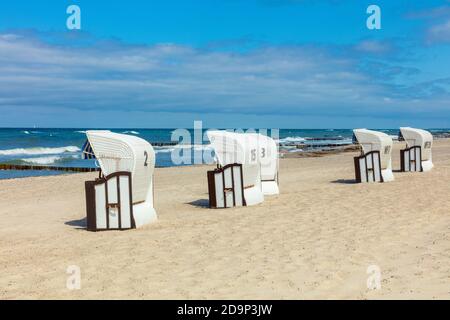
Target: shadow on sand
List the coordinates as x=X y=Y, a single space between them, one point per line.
x=79 y=224
x=344 y=181
x=201 y=203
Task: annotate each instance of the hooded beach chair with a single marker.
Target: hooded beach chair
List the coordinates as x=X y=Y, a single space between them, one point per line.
x=237 y=179
x=268 y=157
x=122 y=198
x=417 y=154
x=375 y=163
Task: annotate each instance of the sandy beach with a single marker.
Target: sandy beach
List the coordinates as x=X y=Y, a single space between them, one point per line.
x=315 y=240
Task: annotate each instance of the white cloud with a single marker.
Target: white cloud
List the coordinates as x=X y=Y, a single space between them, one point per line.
x=439 y=33
x=374 y=46
x=430 y=13
x=173 y=78
x=438 y=30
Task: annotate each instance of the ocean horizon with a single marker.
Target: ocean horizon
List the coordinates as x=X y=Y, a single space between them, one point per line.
x=61 y=147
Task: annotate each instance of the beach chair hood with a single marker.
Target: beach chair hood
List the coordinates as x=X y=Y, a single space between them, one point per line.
x=418 y=137
x=371 y=140
x=119 y=152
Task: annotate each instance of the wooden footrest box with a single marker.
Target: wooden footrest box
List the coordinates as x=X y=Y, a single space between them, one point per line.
x=109 y=203
x=368 y=167
x=226 y=187
x=411 y=159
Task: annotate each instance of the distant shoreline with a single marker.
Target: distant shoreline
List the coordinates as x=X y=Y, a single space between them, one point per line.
x=49 y=148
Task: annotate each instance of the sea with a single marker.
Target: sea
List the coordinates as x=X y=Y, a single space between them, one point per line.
x=62 y=147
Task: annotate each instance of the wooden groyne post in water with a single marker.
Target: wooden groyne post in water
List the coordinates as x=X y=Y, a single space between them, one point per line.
x=45 y=168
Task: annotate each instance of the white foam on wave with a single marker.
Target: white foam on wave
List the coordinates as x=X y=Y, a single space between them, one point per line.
x=47 y=160
x=80 y=131
x=206 y=147
x=295 y=150
x=332 y=141
x=164 y=150
x=43 y=160
x=394 y=137
x=26 y=132
x=291 y=140
x=132 y=132
x=38 y=151
x=195 y=147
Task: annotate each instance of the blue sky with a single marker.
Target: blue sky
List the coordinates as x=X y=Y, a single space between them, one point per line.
x=254 y=63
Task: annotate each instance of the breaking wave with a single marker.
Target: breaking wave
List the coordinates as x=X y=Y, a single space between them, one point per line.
x=39 y=151
x=291 y=140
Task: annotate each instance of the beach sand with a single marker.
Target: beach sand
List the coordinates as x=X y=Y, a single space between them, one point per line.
x=315 y=240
